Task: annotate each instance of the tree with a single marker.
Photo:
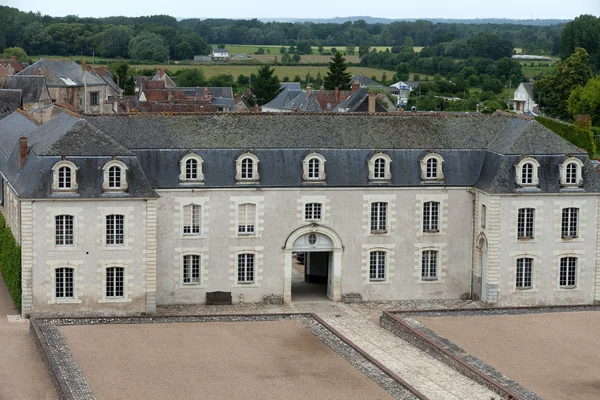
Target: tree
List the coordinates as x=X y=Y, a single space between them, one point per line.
x=557 y=86
x=266 y=85
x=363 y=50
x=488 y=45
x=124 y=76
x=148 y=46
x=282 y=49
x=586 y=100
x=221 y=80
x=191 y=77
x=402 y=71
x=409 y=42
x=583 y=31
x=15 y=52
x=304 y=47
x=113 y=42
x=337 y=77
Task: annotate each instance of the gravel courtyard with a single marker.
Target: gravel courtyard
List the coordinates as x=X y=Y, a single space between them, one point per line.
x=554 y=354
x=249 y=360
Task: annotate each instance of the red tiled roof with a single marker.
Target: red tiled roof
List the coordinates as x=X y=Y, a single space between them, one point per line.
x=17 y=66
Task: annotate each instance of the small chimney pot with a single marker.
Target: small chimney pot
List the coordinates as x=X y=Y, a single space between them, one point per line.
x=22 y=151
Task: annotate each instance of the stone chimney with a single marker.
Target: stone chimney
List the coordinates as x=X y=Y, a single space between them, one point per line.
x=256 y=108
x=372 y=98
x=355 y=86
x=22 y=151
x=206 y=94
x=169 y=95
x=477 y=107
x=39 y=71
x=337 y=93
x=308 y=91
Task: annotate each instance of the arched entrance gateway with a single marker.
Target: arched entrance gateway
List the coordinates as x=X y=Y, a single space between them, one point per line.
x=323 y=259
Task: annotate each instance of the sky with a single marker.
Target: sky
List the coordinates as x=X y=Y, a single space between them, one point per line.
x=463 y=9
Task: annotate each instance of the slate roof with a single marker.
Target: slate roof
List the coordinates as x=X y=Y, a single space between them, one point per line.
x=63 y=73
x=365 y=81
x=32 y=86
x=528 y=88
x=10 y=100
x=352 y=102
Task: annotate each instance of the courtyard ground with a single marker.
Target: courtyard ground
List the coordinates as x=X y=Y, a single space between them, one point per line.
x=555 y=354
x=241 y=360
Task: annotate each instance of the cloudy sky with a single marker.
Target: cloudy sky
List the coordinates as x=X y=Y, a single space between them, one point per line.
x=514 y=9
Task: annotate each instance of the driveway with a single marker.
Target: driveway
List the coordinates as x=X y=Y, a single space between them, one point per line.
x=22 y=372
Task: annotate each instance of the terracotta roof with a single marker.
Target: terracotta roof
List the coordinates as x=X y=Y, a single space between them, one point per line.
x=17 y=66
x=4 y=71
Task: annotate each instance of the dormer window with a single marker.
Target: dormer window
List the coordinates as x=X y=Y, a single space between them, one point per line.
x=64 y=176
x=527 y=172
x=313 y=168
x=247 y=168
x=115 y=177
x=191 y=169
x=380 y=167
x=571 y=172
x=431 y=167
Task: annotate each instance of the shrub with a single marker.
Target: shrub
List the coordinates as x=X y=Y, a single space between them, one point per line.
x=580 y=137
x=10 y=262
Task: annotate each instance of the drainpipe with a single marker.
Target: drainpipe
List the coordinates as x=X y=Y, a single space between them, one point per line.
x=474 y=225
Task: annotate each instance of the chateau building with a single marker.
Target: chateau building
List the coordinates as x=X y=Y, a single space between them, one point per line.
x=118 y=214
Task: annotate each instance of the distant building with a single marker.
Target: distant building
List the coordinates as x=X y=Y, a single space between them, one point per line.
x=220 y=55
x=523 y=100
x=365 y=81
x=35 y=93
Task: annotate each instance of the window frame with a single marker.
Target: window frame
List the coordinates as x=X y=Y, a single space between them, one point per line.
x=239 y=175
x=115 y=231
x=64 y=296
x=192 y=280
x=569 y=263
x=378 y=217
x=56 y=186
x=195 y=215
x=426 y=173
x=312 y=210
x=431 y=216
x=243 y=229
x=123 y=280
x=535 y=165
x=94 y=98
x=378 y=265
x=433 y=257
x=375 y=173
x=565 y=180
x=244 y=258
x=61 y=238
x=569 y=223
x=123 y=184
x=526 y=223
x=524 y=273
x=308 y=173
x=183 y=169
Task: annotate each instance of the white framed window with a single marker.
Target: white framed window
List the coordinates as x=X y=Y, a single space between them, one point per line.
x=380 y=167
x=431 y=212
x=64 y=283
x=313 y=167
x=64 y=176
x=568 y=272
x=525 y=223
x=191 y=219
x=245 y=267
x=377 y=265
x=379 y=217
x=115 y=229
x=524 y=273
x=247 y=219
x=570 y=217
x=571 y=172
x=527 y=172
x=191 y=269
x=247 y=168
x=429 y=265
x=64 y=230
x=432 y=167
x=115 y=176
x=191 y=169
x=313 y=211
x=115 y=282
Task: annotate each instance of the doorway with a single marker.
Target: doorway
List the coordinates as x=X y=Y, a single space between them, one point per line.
x=310 y=276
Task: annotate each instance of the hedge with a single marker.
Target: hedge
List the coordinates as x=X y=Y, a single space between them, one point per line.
x=580 y=137
x=10 y=262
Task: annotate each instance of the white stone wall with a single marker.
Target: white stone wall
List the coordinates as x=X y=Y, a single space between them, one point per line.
x=11 y=210
x=345 y=211
x=546 y=249
x=90 y=256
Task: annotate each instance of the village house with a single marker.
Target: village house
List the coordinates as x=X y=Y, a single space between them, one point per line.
x=523 y=101
x=116 y=214
x=35 y=93
x=220 y=55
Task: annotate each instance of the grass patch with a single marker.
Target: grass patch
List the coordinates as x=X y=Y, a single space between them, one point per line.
x=536 y=70
x=10 y=262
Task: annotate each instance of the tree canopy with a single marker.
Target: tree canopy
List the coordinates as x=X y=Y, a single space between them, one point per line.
x=148 y=46
x=337 y=77
x=15 y=52
x=586 y=100
x=191 y=77
x=583 y=31
x=265 y=85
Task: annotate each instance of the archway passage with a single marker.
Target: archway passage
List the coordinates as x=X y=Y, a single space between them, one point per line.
x=312 y=265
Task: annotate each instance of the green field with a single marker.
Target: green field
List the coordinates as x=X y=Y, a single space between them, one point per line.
x=536 y=70
x=251 y=48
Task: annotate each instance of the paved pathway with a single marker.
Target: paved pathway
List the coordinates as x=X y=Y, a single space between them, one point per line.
x=22 y=373
x=360 y=324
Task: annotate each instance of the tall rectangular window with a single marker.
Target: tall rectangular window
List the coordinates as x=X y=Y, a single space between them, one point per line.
x=431 y=216
x=525 y=223
x=429 y=265
x=483 y=215
x=570 y=218
x=378 y=217
x=245 y=268
x=524 y=272
x=377 y=265
x=191 y=269
x=191 y=219
x=115 y=282
x=115 y=229
x=94 y=99
x=63 y=283
x=64 y=230
x=246 y=219
x=312 y=212
x=568 y=271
